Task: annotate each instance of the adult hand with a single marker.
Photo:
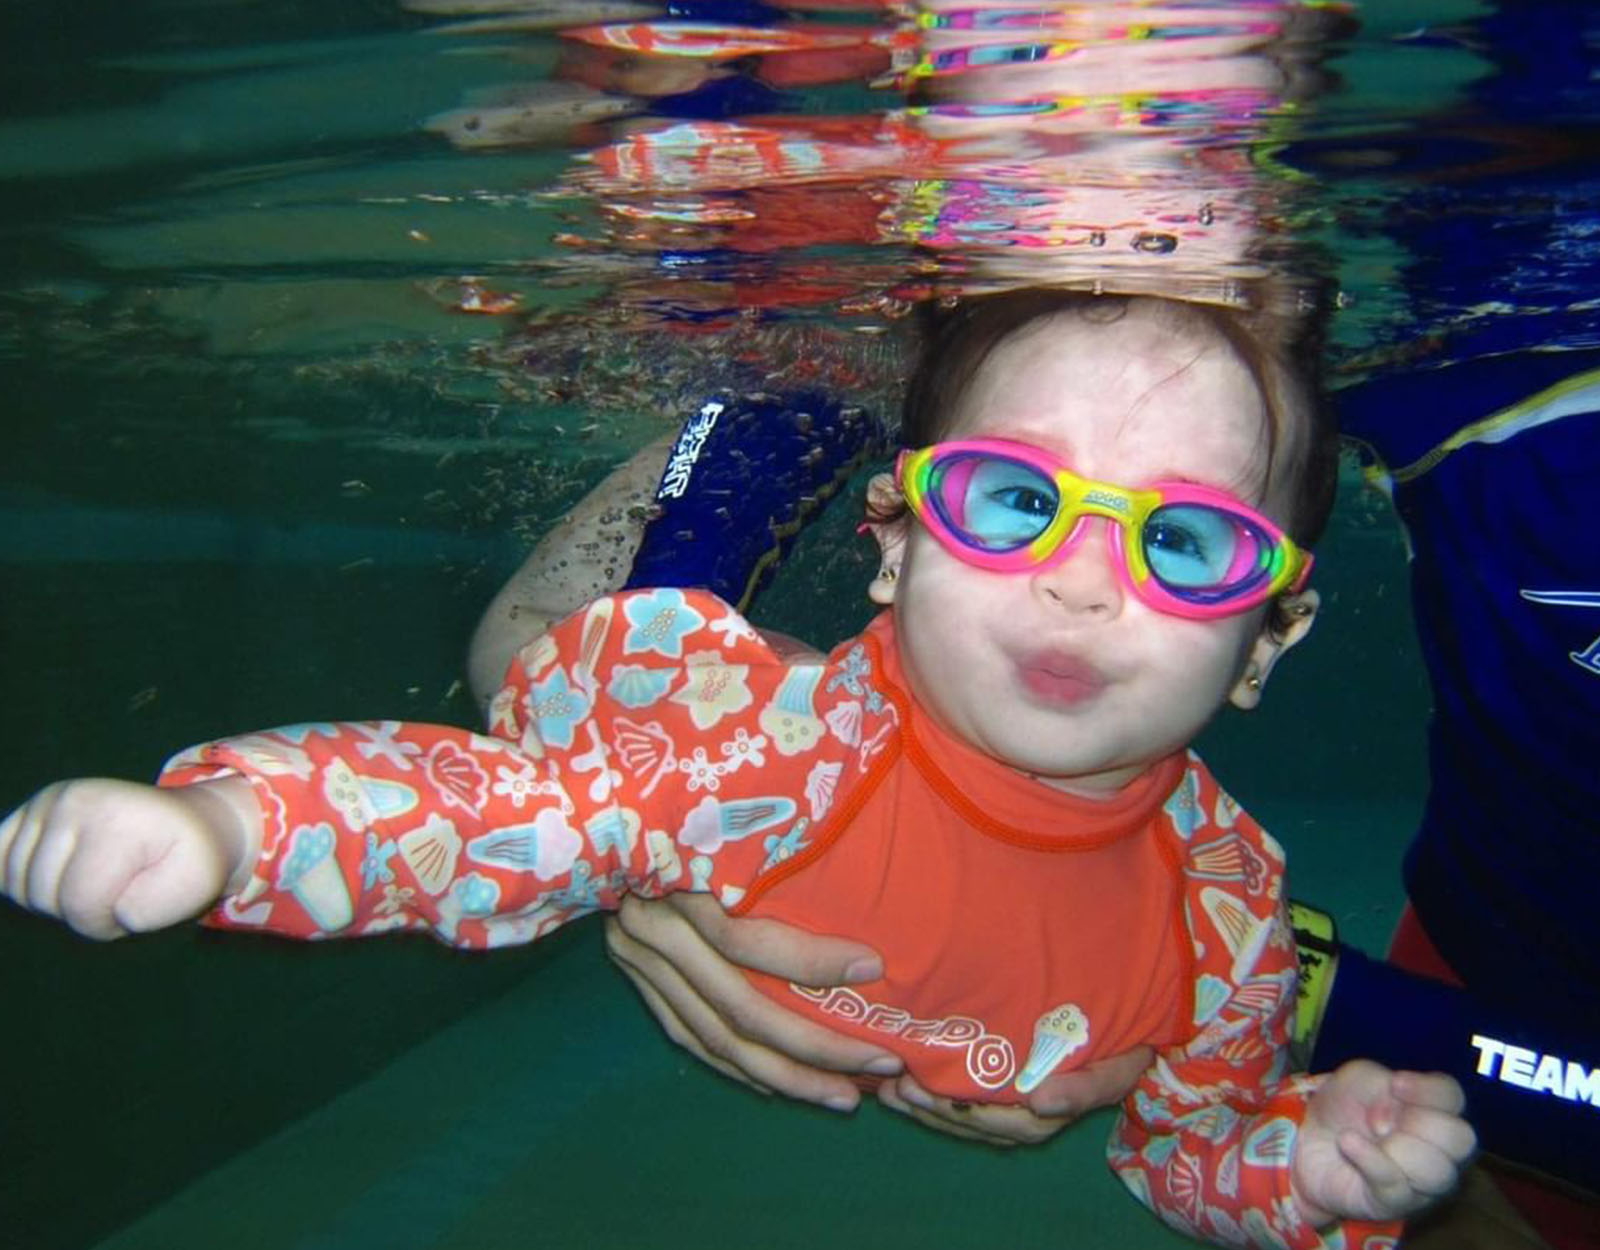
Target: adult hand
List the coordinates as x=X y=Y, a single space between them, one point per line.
x=1058 y=1101
x=677 y=952
x=684 y=954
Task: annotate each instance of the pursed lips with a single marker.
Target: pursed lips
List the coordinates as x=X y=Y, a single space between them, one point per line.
x=1057 y=676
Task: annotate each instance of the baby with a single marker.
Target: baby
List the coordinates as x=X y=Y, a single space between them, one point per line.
x=1095 y=538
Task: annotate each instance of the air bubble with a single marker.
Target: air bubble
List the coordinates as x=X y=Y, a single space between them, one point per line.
x=1155 y=244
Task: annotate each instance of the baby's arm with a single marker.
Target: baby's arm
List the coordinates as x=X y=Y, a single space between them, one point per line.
x=316 y=830
x=115 y=857
x=1209 y=1138
x=1220 y=1140
x=1291 y=1163
x=323 y=830
x=369 y=827
x=647 y=744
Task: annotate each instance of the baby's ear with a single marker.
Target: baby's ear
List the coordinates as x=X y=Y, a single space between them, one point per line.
x=883 y=498
x=1289 y=620
x=887 y=520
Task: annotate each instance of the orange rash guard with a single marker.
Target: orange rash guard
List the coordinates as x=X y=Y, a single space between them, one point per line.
x=653 y=743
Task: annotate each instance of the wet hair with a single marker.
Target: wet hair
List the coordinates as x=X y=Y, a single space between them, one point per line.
x=1282 y=354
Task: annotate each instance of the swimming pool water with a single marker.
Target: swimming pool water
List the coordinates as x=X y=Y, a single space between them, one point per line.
x=260 y=466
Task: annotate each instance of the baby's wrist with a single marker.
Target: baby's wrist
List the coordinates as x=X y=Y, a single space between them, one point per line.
x=1314 y=1215
x=229 y=812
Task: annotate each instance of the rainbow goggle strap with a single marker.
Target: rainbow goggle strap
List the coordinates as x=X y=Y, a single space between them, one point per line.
x=1009 y=506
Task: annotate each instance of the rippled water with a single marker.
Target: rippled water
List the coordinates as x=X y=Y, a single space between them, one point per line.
x=312 y=316
x=471 y=221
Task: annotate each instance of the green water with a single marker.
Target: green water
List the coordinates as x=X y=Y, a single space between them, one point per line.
x=253 y=476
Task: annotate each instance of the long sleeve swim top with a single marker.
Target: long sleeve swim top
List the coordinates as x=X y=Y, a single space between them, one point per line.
x=653 y=743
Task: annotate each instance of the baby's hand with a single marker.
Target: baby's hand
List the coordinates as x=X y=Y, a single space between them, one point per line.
x=1379 y=1145
x=115 y=857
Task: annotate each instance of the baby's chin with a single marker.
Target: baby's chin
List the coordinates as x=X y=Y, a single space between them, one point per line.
x=1093 y=775
x=1089 y=784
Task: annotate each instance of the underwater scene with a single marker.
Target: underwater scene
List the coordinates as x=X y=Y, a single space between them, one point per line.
x=315 y=317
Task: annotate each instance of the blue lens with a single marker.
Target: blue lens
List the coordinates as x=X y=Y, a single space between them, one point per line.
x=992 y=502
x=1201 y=548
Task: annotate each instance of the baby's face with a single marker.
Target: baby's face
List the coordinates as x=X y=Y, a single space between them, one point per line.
x=1062 y=672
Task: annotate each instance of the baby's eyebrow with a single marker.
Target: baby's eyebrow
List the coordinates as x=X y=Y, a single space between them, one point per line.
x=1251 y=493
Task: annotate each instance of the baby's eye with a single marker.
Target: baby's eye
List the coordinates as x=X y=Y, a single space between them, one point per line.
x=1003 y=504
x=1025 y=499
x=1176 y=540
x=1191 y=546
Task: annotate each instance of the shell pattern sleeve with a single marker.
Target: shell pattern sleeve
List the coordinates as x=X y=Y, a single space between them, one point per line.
x=1206 y=1138
x=650 y=743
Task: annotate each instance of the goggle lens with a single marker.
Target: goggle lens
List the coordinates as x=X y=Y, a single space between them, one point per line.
x=1197 y=547
x=994 y=503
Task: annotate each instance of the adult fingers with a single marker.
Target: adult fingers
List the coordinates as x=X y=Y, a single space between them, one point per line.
x=698 y=970
x=776 y=948
x=941 y=1115
x=1068 y=1095
x=1002 y=1125
x=1014 y=1126
x=694 y=1023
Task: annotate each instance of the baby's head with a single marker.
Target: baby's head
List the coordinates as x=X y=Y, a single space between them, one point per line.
x=1083 y=668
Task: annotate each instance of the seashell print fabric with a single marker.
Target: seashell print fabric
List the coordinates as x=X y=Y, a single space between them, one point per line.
x=654 y=743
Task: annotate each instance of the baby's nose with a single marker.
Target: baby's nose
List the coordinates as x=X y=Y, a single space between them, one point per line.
x=1084 y=579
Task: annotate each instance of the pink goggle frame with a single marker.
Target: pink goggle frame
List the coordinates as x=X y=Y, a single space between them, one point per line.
x=1195 y=551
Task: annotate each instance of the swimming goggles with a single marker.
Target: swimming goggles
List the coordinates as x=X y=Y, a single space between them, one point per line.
x=1194 y=551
